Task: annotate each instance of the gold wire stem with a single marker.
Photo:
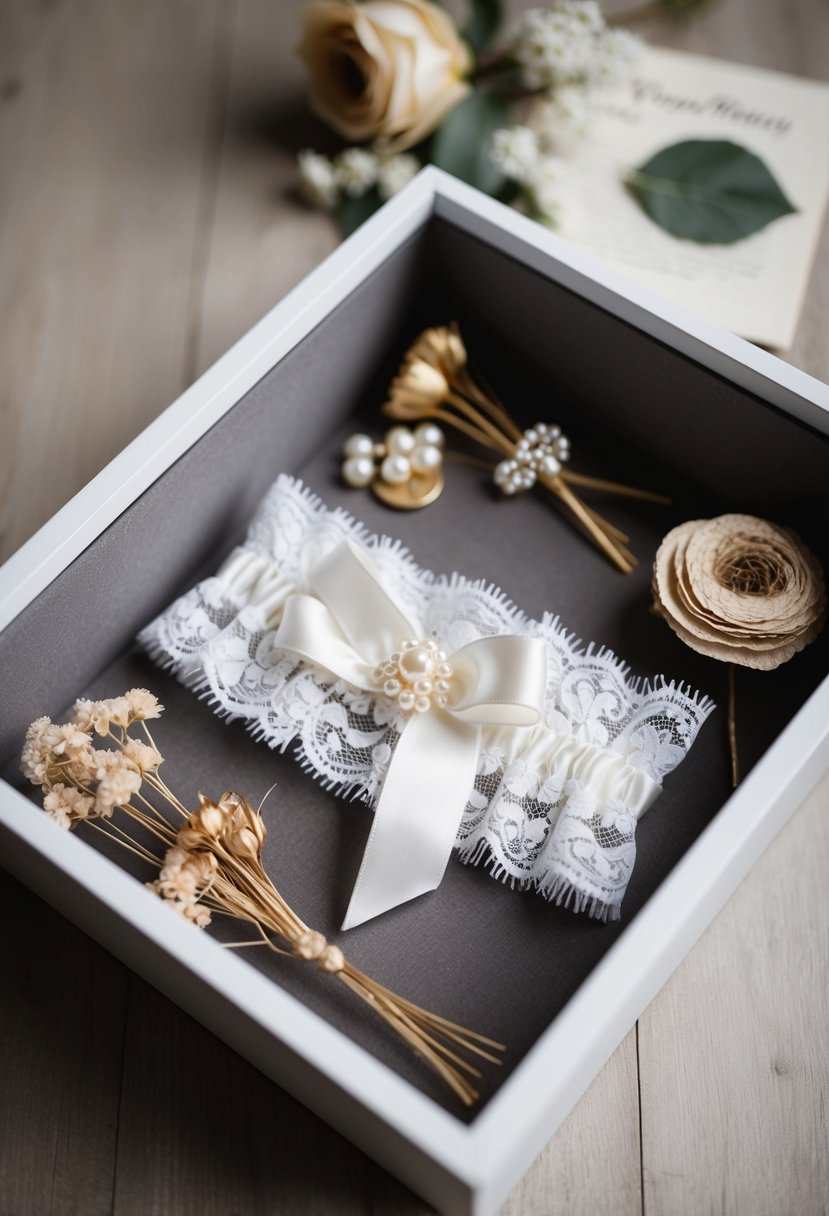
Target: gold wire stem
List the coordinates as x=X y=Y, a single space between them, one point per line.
x=489 y=403
x=497 y=439
x=613 y=532
x=485 y=392
x=621 y=558
x=462 y=425
x=614 y=487
x=732 y=727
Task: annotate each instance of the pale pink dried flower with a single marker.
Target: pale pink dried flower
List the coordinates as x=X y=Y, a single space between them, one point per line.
x=72 y=740
x=67 y=805
x=174 y=859
x=181 y=884
x=119 y=711
x=142 y=704
x=36 y=756
x=144 y=755
x=92 y=715
x=116 y=788
x=198 y=914
x=105 y=760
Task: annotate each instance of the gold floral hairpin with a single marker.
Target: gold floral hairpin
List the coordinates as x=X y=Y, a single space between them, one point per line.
x=742 y=590
x=209 y=862
x=434 y=384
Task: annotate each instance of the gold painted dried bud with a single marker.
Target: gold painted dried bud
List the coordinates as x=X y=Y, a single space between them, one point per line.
x=244 y=843
x=212 y=821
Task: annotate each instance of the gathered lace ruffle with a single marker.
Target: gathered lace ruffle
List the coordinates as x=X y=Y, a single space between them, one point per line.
x=554 y=806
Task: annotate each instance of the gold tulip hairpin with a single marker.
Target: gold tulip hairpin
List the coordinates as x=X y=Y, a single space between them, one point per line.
x=209 y=861
x=435 y=385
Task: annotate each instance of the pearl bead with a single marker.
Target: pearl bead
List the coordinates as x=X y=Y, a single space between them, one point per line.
x=426 y=459
x=358 y=471
x=443 y=670
x=395 y=470
x=422 y=705
x=549 y=464
x=392 y=687
x=428 y=435
x=440 y=699
x=359 y=445
x=440 y=656
x=423 y=687
x=442 y=687
x=406 y=700
x=409 y=644
x=417 y=662
x=399 y=441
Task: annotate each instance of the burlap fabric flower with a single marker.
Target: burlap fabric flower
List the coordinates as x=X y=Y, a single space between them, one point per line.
x=740 y=589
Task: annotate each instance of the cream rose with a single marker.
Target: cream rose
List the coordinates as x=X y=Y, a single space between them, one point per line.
x=384 y=69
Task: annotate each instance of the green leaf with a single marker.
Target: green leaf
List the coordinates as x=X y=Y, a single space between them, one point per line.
x=708 y=190
x=462 y=143
x=351 y=212
x=482 y=23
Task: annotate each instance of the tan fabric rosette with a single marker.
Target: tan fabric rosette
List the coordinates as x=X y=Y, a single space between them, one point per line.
x=740 y=589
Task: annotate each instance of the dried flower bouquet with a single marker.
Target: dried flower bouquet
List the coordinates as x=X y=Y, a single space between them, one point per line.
x=209 y=862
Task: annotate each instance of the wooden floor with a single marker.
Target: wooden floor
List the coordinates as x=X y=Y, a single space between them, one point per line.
x=146 y=221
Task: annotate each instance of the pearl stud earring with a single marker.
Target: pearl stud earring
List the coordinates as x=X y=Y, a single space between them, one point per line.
x=404 y=471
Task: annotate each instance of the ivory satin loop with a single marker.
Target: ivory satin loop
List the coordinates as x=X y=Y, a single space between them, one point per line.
x=349 y=626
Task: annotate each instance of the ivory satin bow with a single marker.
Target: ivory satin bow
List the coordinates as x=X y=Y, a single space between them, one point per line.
x=349 y=626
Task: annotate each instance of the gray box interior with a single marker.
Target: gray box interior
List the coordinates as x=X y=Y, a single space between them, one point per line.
x=494 y=959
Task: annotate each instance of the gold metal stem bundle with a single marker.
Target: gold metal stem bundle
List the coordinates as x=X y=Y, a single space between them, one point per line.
x=212 y=862
x=435 y=384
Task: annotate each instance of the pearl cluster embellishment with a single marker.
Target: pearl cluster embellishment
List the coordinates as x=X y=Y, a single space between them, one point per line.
x=416 y=676
x=541 y=450
x=402 y=454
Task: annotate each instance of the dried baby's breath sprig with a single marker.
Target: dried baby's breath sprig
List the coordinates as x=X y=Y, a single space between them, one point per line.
x=741 y=590
x=211 y=862
x=435 y=383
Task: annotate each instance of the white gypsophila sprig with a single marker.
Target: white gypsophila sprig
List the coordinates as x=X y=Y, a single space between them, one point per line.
x=545 y=191
x=317 y=179
x=355 y=171
x=562 y=116
x=569 y=43
x=522 y=157
x=615 y=58
x=394 y=173
x=516 y=152
x=352 y=173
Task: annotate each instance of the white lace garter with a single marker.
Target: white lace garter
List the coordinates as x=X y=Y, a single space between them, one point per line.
x=552 y=805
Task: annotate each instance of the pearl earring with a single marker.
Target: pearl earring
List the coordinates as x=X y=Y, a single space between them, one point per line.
x=404 y=471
